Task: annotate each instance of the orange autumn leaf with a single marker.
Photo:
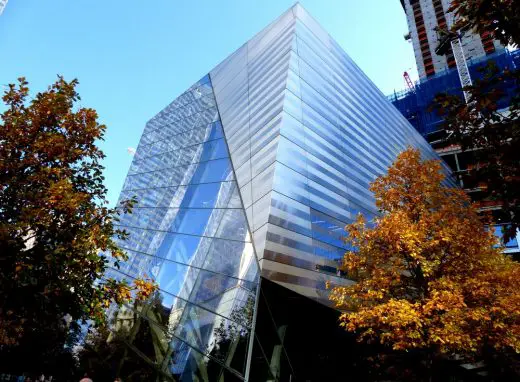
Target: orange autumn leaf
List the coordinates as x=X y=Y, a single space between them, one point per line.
x=57 y=235
x=428 y=273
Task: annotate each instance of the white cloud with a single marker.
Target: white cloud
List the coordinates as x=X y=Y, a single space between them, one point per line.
x=131 y=151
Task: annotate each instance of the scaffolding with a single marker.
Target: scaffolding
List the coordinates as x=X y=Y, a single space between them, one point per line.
x=415 y=104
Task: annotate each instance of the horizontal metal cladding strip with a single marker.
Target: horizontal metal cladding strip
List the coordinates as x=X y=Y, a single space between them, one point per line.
x=249 y=75
x=267 y=108
x=311 y=233
x=308 y=246
x=263 y=135
x=263 y=119
x=308 y=194
x=372 y=94
x=295 y=261
x=338 y=63
x=332 y=140
x=250 y=147
x=265 y=36
x=325 y=151
x=289 y=225
x=262 y=70
x=347 y=116
x=293 y=279
x=301 y=221
x=272 y=53
x=239 y=94
x=350 y=116
x=247 y=56
x=260 y=81
x=265 y=157
x=232 y=60
x=262 y=111
x=312 y=100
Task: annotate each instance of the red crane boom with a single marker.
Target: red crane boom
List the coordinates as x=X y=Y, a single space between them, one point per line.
x=408 y=81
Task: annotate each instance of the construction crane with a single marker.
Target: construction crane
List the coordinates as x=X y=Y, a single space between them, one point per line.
x=449 y=38
x=408 y=82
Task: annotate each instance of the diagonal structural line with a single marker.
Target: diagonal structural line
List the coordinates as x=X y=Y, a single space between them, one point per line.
x=187 y=265
x=186 y=301
x=205 y=354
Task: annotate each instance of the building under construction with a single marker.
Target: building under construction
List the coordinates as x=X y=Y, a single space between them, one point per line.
x=415 y=101
x=425 y=18
x=460 y=63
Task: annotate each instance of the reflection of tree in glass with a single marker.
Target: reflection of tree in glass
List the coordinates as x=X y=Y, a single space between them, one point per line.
x=231 y=336
x=136 y=347
x=228 y=348
x=239 y=324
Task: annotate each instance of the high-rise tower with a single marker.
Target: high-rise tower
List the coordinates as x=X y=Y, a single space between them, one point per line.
x=423 y=17
x=245 y=183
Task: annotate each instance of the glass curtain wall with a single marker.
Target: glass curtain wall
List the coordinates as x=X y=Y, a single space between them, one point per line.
x=189 y=234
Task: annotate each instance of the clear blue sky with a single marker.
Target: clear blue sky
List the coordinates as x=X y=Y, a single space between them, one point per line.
x=134 y=57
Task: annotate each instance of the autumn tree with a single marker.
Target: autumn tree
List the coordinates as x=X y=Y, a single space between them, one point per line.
x=487 y=124
x=54 y=220
x=499 y=17
x=428 y=276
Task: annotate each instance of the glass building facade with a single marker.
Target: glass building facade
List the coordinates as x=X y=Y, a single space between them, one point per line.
x=244 y=185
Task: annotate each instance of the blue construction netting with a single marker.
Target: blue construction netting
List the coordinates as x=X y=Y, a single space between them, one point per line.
x=415 y=104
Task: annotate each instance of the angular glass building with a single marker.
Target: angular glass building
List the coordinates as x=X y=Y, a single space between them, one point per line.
x=244 y=185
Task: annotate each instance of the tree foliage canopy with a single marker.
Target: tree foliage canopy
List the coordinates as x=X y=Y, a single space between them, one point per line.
x=500 y=17
x=492 y=135
x=428 y=274
x=478 y=125
x=54 y=222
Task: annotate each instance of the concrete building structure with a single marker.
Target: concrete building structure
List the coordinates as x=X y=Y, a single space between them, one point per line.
x=438 y=74
x=423 y=17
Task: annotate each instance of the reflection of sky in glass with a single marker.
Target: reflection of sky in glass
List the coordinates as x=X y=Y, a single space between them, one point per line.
x=189 y=230
x=498 y=231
